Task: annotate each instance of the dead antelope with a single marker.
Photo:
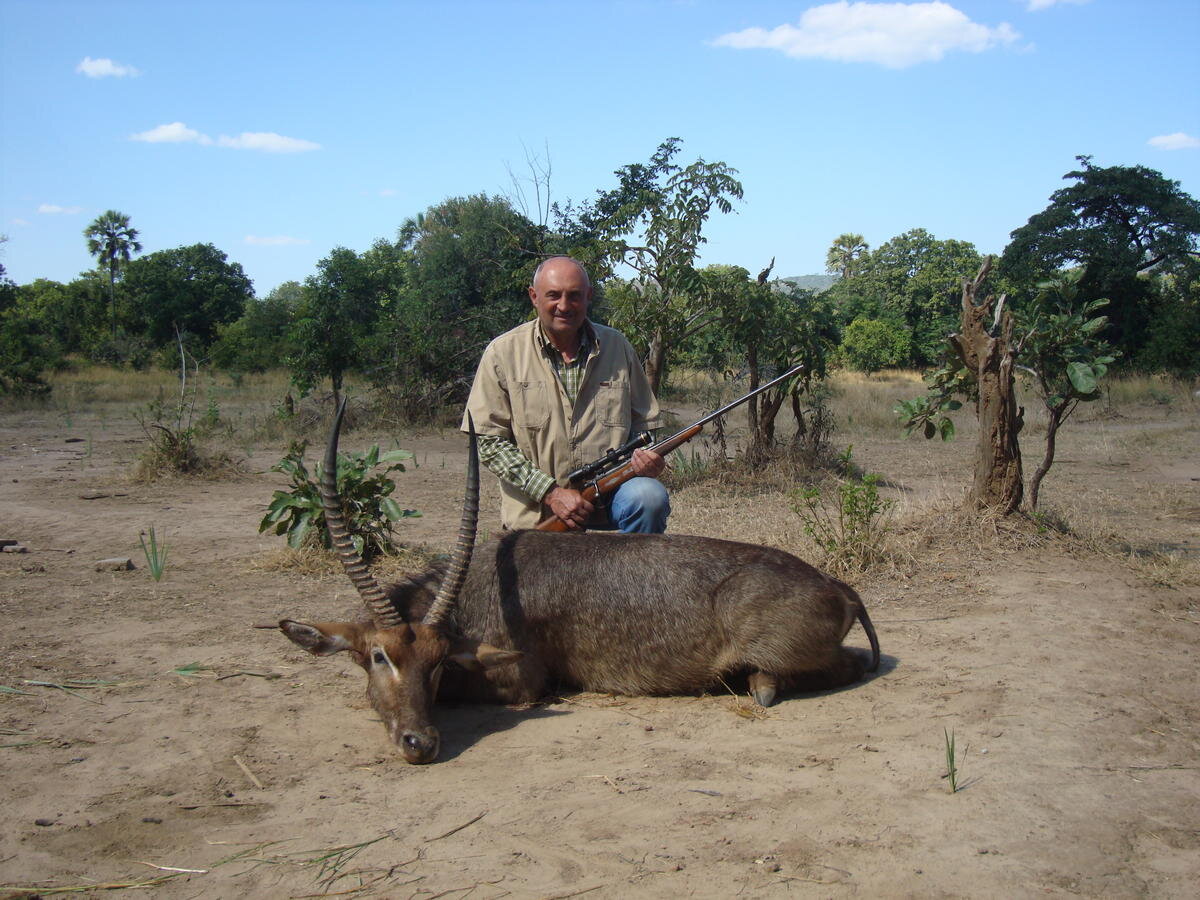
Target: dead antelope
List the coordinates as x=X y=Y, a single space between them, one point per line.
x=626 y=613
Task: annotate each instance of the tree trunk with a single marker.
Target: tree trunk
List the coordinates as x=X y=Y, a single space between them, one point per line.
x=998 y=477
x=655 y=358
x=1056 y=418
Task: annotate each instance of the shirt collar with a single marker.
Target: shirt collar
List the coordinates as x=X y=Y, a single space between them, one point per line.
x=587 y=341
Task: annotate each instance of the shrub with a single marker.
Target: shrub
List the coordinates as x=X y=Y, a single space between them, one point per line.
x=370 y=511
x=850 y=528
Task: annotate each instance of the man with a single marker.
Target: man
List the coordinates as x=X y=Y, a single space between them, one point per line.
x=556 y=393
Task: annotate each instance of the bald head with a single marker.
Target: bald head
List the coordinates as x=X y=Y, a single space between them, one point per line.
x=558 y=264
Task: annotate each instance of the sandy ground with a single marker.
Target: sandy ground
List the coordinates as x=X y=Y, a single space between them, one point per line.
x=1068 y=678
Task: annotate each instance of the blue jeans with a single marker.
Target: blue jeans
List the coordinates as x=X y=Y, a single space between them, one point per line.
x=639 y=506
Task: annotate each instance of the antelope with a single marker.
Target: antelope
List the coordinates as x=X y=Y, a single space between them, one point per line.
x=634 y=614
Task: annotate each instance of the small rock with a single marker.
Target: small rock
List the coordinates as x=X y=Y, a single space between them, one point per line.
x=43 y=823
x=7 y=542
x=32 y=567
x=93 y=495
x=14 y=547
x=152 y=820
x=73 y=441
x=115 y=564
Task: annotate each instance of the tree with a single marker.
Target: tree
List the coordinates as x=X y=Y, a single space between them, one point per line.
x=844 y=254
x=1117 y=222
x=187 y=291
x=981 y=366
x=652 y=222
x=458 y=276
x=259 y=339
x=774 y=326
x=341 y=305
x=112 y=240
x=1057 y=341
x=1067 y=358
x=869 y=345
x=26 y=350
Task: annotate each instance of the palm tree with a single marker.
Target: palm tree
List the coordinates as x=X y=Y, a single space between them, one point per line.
x=112 y=240
x=847 y=249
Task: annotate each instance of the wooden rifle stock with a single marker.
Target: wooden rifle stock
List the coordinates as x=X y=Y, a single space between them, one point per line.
x=611 y=480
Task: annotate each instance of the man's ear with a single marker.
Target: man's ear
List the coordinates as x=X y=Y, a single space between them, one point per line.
x=476 y=656
x=323 y=638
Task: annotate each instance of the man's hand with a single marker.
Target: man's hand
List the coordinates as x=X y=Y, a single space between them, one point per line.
x=569 y=506
x=647 y=463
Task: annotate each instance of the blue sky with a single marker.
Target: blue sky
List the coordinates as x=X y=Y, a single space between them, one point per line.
x=279 y=130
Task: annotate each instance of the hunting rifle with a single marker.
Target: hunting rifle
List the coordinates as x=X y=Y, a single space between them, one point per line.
x=613 y=469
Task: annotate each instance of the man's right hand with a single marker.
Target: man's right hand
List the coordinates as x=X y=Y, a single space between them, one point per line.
x=569 y=506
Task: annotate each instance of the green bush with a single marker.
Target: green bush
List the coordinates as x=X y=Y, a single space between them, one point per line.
x=869 y=345
x=370 y=510
x=849 y=528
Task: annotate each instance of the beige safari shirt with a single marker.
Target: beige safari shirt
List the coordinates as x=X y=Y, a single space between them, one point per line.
x=516 y=395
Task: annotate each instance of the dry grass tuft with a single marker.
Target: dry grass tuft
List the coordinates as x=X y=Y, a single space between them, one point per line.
x=316 y=562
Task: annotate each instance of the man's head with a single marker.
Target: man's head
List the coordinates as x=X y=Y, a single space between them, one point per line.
x=561 y=293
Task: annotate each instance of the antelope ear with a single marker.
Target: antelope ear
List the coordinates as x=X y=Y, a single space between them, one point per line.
x=475 y=656
x=322 y=638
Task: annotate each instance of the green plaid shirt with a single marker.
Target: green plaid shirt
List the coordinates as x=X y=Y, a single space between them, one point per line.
x=501 y=455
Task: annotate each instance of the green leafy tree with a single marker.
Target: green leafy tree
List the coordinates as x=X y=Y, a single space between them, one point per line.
x=1173 y=335
x=113 y=241
x=341 y=305
x=1118 y=223
x=458 y=276
x=869 y=345
x=1066 y=356
x=259 y=339
x=186 y=292
x=845 y=254
x=26 y=349
x=652 y=222
x=771 y=327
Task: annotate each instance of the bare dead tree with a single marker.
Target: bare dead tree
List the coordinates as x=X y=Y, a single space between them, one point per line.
x=990 y=356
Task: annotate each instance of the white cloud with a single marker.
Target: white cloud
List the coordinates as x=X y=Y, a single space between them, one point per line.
x=52 y=209
x=895 y=35
x=1176 y=141
x=105 y=68
x=19 y=222
x=1039 y=5
x=277 y=241
x=388 y=192
x=174 y=133
x=266 y=141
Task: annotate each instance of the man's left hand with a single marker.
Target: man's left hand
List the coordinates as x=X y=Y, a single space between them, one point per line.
x=647 y=463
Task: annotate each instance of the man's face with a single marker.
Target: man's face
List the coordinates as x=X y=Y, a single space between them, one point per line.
x=561 y=294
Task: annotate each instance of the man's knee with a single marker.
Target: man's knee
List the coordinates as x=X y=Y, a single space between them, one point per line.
x=641 y=505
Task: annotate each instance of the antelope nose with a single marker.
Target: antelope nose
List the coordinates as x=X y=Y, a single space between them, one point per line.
x=419 y=748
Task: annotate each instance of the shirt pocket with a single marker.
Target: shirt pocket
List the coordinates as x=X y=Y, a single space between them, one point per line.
x=612 y=401
x=531 y=405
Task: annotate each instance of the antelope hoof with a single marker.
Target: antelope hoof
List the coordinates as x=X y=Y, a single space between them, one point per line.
x=762 y=688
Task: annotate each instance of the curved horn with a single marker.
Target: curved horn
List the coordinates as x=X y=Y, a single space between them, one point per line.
x=381 y=609
x=456 y=572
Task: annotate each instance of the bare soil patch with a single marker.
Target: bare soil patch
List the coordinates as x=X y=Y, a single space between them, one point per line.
x=1065 y=668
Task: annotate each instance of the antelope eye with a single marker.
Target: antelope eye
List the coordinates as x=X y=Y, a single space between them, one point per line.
x=378 y=658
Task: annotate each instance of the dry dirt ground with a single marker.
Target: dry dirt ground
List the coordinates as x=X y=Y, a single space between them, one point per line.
x=1067 y=676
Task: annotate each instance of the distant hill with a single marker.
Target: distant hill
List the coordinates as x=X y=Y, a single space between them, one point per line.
x=815 y=283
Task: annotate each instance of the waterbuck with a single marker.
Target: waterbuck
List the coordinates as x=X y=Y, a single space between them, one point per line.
x=626 y=613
